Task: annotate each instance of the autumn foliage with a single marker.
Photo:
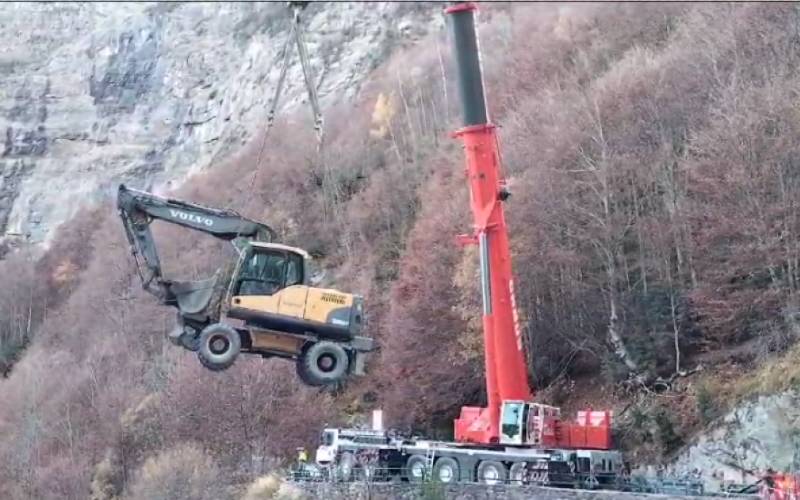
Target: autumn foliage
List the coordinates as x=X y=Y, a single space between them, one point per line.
x=652 y=156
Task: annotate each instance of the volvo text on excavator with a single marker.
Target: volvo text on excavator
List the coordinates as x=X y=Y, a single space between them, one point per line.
x=263 y=303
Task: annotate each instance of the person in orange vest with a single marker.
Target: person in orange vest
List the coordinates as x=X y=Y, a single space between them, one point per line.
x=779 y=486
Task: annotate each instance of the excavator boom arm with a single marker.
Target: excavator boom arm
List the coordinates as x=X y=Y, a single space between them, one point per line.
x=138 y=209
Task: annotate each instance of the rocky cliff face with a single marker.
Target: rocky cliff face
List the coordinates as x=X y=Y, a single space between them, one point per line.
x=759 y=434
x=96 y=94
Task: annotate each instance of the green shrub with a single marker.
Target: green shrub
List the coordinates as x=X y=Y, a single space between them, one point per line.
x=432 y=490
x=706 y=405
x=668 y=438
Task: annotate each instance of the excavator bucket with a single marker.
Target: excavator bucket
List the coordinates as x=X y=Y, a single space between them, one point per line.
x=193 y=297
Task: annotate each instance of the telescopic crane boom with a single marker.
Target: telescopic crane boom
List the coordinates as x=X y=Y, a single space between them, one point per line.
x=506 y=370
x=513 y=438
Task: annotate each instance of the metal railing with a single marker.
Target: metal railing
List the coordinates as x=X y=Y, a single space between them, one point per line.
x=360 y=473
x=685 y=486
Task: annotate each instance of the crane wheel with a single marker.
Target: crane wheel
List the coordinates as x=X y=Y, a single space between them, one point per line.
x=219 y=346
x=415 y=470
x=517 y=473
x=345 y=466
x=491 y=472
x=323 y=363
x=446 y=470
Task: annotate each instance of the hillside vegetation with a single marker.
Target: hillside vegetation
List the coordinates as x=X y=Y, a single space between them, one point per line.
x=652 y=156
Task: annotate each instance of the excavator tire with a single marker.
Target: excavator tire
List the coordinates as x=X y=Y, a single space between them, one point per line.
x=219 y=346
x=323 y=363
x=302 y=374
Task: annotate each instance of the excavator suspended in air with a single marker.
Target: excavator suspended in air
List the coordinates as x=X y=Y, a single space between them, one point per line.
x=267 y=305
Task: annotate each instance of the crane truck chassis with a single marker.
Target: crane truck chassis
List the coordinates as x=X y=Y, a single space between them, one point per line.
x=357 y=454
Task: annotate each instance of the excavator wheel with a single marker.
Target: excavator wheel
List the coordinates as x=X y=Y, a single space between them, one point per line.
x=322 y=363
x=219 y=346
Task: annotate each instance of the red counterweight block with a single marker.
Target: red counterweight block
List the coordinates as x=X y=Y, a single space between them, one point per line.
x=590 y=430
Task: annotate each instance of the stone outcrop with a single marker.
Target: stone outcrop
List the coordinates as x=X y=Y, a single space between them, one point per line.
x=93 y=94
x=759 y=434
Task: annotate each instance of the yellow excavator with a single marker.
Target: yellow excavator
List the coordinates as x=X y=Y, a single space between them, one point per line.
x=264 y=303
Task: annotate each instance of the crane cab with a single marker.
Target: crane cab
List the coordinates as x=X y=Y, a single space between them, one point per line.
x=527 y=423
x=524 y=423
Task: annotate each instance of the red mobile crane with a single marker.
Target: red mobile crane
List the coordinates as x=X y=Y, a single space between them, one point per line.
x=512 y=438
x=509 y=396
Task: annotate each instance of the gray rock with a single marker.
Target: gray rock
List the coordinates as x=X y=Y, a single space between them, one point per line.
x=759 y=434
x=94 y=94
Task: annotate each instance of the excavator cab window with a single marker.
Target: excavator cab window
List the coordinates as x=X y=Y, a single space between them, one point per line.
x=265 y=271
x=294 y=270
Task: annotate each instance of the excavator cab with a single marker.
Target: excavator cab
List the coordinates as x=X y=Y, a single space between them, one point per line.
x=272 y=297
x=265 y=270
x=266 y=304
x=272 y=288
